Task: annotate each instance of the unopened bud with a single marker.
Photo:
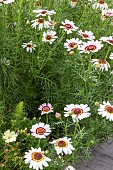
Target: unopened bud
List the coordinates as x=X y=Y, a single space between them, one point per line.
x=57 y=115
x=71 y=53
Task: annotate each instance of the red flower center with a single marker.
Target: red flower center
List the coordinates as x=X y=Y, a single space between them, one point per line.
x=101 y=2
x=41 y=20
x=61 y=143
x=85 y=35
x=45 y=108
x=37 y=156
x=43 y=12
x=68 y=26
x=111 y=41
x=72 y=45
x=40 y=131
x=77 y=111
x=74 y=0
x=101 y=61
x=109 y=109
x=90 y=48
x=48 y=37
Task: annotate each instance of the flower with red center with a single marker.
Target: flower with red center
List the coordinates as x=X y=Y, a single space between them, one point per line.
x=63 y=145
x=68 y=26
x=73 y=3
x=86 y=35
x=40 y=130
x=100 y=64
x=90 y=46
x=72 y=43
x=36 y=158
x=40 y=22
x=106 y=14
x=29 y=46
x=109 y=39
x=46 y=108
x=100 y=4
x=77 y=112
x=49 y=36
x=106 y=110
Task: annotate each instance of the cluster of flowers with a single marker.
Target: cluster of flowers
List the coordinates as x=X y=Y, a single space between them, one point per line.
x=63 y=145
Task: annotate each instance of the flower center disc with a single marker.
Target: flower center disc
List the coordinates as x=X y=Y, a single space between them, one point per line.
x=77 y=111
x=43 y=12
x=41 y=20
x=101 y=61
x=90 y=48
x=101 y=2
x=68 y=26
x=48 y=37
x=111 y=41
x=109 y=109
x=45 y=109
x=85 y=35
x=40 y=131
x=74 y=0
x=29 y=45
x=37 y=156
x=72 y=45
x=62 y=143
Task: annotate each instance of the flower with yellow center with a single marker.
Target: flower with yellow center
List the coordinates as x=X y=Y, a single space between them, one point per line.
x=63 y=145
x=49 y=36
x=100 y=64
x=77 y=112
x=45 y=108
x=106 y=110
x=36 y=158
x=40 y=130
x=10 y=136
x=29 y=46
x=40 y=22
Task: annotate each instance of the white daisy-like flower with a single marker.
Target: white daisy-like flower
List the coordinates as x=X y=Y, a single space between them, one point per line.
x=63 y=145
x=45 y=108
x=6 y=1
x=90 y=46
x=36 y=158
x=86 y=35
x=77 y=112
x=111 y=56
x=73 y=3
x=72 y=43
x=10 y=136
x=109 y=39
x=106 y=110
x=100 y=64
x=51 y=24
x=106 y=14
x=29 y=46
x=40 y=130
x=68 y=26
x=40 y=22
x=49 y=36
x=70 y=168
x=100 y=4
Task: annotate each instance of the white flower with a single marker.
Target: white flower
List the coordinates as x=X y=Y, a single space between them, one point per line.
x=40 y=130
x=109 y=39
x=72 y=43
x=40 y=22
x=106 y=110
x=70 y=168
x=49 y=36
x=63 y=145
x=10 y=136
x=111 y=56
x=100 y=64
x=73 y=3
x=29 y=46
x=77 y=112
x=90 y=46
x=100 y=4
x=86 y=35
x=68 y=26
x=36 y=158
x=6 y=1
x=46 y=108
x=106 y=14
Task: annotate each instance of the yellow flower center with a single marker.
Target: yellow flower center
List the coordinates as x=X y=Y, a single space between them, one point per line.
x=49 y=37
x=37 y=156
x=90 y=48
x=109 y=109
x=40 y=131
x=61 y=144
x=77 y=111
x=29 y=45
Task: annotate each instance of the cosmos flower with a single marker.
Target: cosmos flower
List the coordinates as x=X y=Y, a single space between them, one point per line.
x=72 y=43
x=100 y=64
x=100 y=4
x=76 y=111
x=29 y=46
x=106 y=110
x=63 y=145
x=45 y=108
x=6 y=1
x=73 y=3
x=10 y=136
x=40 y=22
x=68 y=26
x=36 y=158
x=49 y=36
x=109 y=39
x=40 y=130
x=86 y=35
x=90 y=46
